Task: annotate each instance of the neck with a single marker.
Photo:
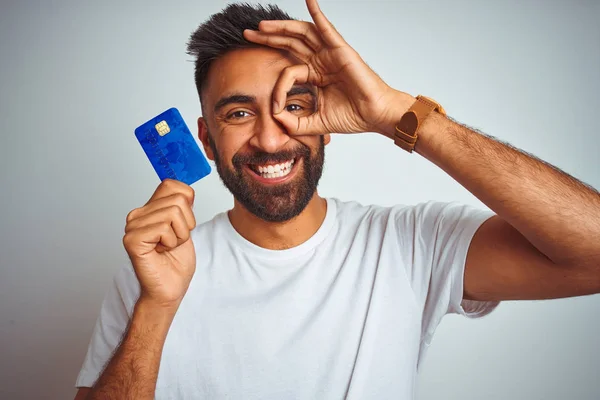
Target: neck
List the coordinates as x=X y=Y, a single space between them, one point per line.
x=279 y=235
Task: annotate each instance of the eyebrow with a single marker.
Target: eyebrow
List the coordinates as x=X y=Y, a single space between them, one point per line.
x=236 y=98
x=300 y=89
x=239 y=98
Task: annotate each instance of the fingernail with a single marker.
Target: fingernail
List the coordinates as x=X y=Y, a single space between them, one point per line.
x=275 y=107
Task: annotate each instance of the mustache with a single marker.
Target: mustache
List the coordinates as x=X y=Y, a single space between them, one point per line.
x=262 y=157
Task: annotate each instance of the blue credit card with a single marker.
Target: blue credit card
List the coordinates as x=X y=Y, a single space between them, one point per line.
x=171 y=148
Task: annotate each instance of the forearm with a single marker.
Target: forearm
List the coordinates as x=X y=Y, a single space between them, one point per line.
x=559 y=215
x=133 y=370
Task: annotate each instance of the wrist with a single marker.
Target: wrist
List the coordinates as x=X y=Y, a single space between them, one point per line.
x=396 y=103
x=149 y=313
x=430 y=123
x=169 y=303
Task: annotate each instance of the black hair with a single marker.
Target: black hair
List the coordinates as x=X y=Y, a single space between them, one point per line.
x=223 y=32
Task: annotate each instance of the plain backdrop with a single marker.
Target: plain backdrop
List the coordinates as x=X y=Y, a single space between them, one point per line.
x=77 y=77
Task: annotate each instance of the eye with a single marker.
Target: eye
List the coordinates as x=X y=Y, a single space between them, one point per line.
x=238 y=114
x=294 y=108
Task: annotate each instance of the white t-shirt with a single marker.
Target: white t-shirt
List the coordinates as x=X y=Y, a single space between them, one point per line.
x=346 y=314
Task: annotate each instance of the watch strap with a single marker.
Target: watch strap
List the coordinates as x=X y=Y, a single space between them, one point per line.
x=405 y=135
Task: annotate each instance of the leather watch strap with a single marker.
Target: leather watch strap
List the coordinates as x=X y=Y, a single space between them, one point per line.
x=406 y=130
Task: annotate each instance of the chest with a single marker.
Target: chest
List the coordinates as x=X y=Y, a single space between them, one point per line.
x=318 y=332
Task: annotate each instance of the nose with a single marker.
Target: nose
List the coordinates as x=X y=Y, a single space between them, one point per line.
x=269 y=136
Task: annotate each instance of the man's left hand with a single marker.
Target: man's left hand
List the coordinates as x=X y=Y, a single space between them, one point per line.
x=351 y=97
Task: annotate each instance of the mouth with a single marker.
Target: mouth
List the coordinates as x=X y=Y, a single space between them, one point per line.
x=274 y=172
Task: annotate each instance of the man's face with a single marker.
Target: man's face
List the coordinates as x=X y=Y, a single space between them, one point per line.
x=273 y=175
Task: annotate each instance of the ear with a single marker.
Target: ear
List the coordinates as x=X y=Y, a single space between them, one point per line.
x=326 y=139
x=203 y=136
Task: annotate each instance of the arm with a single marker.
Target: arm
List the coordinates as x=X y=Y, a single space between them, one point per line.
x=133 y=370
x=544 y=241
x=158 y=242
x=82 y=393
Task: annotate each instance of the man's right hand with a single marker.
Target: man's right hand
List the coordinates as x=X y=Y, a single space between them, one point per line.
x=157 y=240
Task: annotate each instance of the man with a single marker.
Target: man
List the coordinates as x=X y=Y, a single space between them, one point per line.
x=289 y=295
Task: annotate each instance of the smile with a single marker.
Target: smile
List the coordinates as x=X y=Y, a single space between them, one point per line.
x=273 y=172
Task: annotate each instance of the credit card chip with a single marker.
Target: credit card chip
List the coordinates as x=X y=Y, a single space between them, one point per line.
x=162 y=128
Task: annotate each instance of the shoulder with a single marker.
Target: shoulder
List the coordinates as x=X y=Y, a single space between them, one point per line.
x=427 y=215
x=353 y=210
x=432 y=212
x=208 y=229
x=211 y=236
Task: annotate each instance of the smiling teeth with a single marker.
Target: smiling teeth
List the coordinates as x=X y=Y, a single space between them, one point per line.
x=276 y=171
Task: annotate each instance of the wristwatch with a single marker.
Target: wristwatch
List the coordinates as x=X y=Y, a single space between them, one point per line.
x=406 y=130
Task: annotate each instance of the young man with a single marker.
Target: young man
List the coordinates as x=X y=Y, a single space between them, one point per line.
x=290 y=295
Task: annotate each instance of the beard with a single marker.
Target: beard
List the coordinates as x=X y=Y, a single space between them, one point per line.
x=279 y=202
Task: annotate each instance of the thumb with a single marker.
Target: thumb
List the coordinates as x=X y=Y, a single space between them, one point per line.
x=297 y=126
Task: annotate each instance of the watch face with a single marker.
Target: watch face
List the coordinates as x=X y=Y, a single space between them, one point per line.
x=409 y=123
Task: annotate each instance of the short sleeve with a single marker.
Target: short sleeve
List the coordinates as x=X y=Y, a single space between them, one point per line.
x=111 y=324
x=441 y=235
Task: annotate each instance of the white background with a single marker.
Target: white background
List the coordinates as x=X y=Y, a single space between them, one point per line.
x=76 y=78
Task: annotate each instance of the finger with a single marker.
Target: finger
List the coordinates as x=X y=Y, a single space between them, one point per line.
x=178 y=199
x=295 y=46
x=170 y=186
x=305 y=125
x=299 y=126
x=145 y=240
x=296 y=74
x=172 y=215
x=328 y=32
x=305 y=31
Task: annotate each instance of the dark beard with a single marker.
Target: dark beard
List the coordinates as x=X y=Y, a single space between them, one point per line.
x=277 y=203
